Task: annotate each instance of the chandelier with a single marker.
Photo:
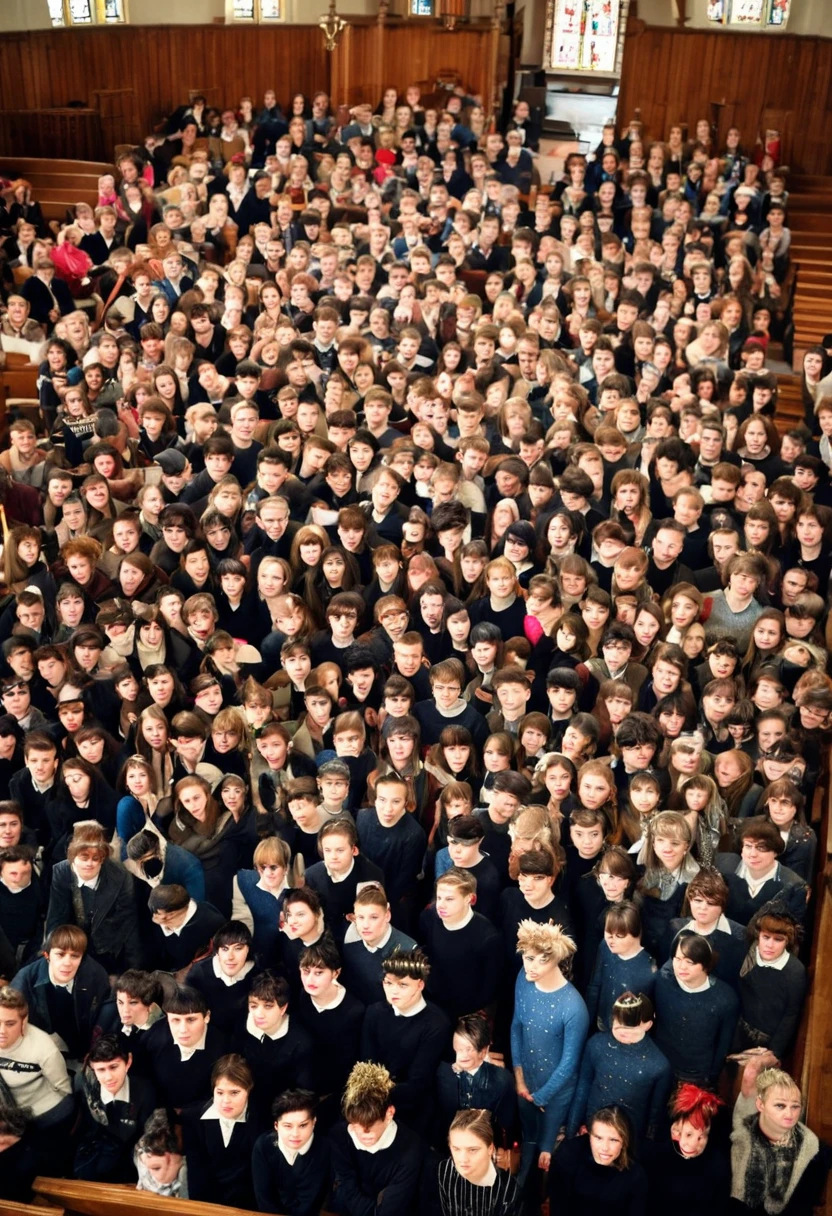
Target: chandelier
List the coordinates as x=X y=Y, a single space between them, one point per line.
x=332 y=25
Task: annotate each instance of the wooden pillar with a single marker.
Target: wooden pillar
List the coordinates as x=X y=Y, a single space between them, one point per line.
x=340 y=75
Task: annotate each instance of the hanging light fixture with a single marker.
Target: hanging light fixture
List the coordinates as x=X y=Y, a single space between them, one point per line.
x=333 y=26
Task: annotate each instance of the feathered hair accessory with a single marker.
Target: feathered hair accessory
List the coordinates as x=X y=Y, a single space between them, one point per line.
x=697 y=1106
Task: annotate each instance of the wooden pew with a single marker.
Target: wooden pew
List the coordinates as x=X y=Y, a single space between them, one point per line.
x=59 y=184
x=109 y=1199
x=9 y=1208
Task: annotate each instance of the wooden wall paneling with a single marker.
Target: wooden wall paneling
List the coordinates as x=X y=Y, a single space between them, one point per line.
x=45 y=69
x=673 y=76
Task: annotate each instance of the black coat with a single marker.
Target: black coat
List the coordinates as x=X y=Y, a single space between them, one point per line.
x=215 y=1171
x=40 y=301
x=89 y=991
x=112 y=929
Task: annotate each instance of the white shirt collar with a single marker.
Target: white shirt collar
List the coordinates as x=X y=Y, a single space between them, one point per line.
x=186 y=1053
x=92 y=883
x=261 y=886
x=777 y=965
x=16 y=890
x=189 y=915
x=411 y=1013
x=281 y=1032
x=385 y=1140
x=693 y=991
x=339 y=1000
x=226 y=1125
x=42 y=789
x=68 y=986
x=342 y=877
x=292 y=1154
x=123 y=1094
x=230 y=980
x=755 y=885
x=723 y=925
x=490 y=1178
x=382 y=943
x=463 y=924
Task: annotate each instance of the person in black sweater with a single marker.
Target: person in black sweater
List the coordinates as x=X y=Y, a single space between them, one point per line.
x=333 y=1018
x=22 y=903
x=377 y=1162
x=338 y=876
x=278 y=1050
x=134 y=1008
x=688 y=1170
x=113 y=1109
x=532 y=899
x=393 y=839
x=508 y=793
x=408 y=1035
x=446 y=707
x=465 y=837
x=291 y=1165
x=183 y=1050
x=182 y=928
x=597 y=1173
x=772 y=985
x=696 y=1014
x=226 y=977
x=703 y=912
x=219 y=1137
x=464 y=948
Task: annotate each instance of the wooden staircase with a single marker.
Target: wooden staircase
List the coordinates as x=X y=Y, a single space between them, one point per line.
x=810 y=222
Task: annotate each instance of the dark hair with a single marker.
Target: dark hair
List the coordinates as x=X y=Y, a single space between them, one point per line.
x=476 y=1029
x=185 y=1000
x=294 y=1100
x=232 y=933
x=270 y=988
x=695 y=947
x=108 y=1047
x=323 y=954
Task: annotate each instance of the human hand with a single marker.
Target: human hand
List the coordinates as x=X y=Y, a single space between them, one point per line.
x=544 y=1161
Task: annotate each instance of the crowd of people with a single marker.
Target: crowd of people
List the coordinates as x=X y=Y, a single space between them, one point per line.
x=415 y=672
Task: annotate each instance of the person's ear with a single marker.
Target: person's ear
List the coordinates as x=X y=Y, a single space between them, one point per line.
x=207 y=1016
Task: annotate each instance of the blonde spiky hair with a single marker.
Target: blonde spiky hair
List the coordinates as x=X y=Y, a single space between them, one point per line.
x=548 y=939
x=366 y=1094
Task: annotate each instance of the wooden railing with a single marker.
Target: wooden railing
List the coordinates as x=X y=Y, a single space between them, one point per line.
x=107 y=1199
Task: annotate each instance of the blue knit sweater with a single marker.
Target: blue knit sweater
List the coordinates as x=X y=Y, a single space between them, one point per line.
x=636 y=1076
x=548 y=1032
x=613 y=975
x=694 y=1029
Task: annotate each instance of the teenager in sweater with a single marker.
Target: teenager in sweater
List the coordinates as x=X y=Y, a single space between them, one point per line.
x=668 y=868
x=377 y=1161
x=182 y=928
x=392 y=838
x=688 y=1170
x=114 y=1106
x=32 y=1068
x=597 y=1172
x=777 y=1163
x=183 y=1050
x=772 y=986
x=258 y=895
x=225 y=978
x=547 y=1038
x=464 y=947
x=340 y=873
x=757 y=876
x=622 y=964
x=130 y=1013
x=22 y=902
x=408 y=1035
x=532 y=899
x=696 y=1014
x=291 y=1165
x=369 y=941
x=219 y=1137
x=276 y=1047
x=703 y=912
x=624 y=1066
x=333 y=1018
x=447 y=707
